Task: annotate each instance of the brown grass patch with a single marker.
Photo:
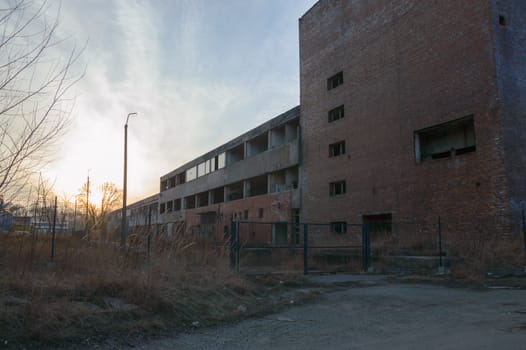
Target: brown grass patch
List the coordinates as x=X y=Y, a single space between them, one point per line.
x=93 y=290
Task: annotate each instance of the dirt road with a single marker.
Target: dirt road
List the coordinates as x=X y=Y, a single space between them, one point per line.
x=378 y=316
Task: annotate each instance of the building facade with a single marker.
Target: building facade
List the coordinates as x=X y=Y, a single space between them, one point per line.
x=253 y=178
x=412 y=109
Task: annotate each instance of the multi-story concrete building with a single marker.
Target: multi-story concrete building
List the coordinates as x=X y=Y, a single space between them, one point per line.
x=412 y=109
x=253 y=177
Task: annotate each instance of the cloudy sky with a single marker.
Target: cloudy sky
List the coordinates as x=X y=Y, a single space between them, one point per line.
x=197 y=72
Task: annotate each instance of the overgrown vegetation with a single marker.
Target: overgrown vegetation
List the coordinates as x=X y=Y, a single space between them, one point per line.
x=91 y=291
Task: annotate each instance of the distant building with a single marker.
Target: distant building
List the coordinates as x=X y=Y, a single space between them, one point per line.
x=6 y=220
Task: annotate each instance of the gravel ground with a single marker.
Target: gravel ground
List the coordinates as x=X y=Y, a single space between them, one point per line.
x=377 y=316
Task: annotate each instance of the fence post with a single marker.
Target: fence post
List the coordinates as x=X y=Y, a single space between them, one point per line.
x=232 y=244
x=238 y=246
x=53 y=231
x=305 y=249
x=366 y=246
x=149 y=232
x=524 y=232
x=440 y=243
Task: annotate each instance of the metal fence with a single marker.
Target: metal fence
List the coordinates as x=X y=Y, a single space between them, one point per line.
x=478 y=241
x=292 y=247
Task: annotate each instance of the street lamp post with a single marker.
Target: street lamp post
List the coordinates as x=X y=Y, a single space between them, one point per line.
x=125 y=184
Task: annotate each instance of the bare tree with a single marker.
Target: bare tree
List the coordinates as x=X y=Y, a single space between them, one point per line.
x=35 y=77
x=97 y=217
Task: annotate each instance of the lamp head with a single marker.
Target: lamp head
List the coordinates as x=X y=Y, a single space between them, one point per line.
x=129 y=115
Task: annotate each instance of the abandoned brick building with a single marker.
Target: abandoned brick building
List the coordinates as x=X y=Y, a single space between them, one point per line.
x=409 y=109
x=412 y=109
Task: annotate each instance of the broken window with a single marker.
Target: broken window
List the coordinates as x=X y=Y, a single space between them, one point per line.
x=445 y=140
x=335 y=80
x=337 y=188
x=339 y=227
x=336 y=113
x=337 y=149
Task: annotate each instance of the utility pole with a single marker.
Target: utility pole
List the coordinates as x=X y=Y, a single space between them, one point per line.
x=87 y=207
x=125 y=183
x=75 y=216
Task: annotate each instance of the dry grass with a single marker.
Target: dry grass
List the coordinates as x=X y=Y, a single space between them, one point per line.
x=92 y=290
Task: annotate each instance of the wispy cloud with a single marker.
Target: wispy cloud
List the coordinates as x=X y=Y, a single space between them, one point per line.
x=197 y=72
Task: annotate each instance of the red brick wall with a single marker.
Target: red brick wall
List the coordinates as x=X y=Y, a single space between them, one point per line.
x=408 y=64
x=276 y=208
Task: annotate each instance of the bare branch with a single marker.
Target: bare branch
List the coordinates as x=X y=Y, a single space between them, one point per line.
x=34 y=84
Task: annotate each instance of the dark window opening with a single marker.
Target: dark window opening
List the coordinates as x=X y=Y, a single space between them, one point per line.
x=379 y=224
x=257 y=186
x=169 y=206
x=218 y=195
x=445 y=140
x=260 y=213
x=164 y=185
x=339 y=227
x=336 y=113
x=162 y=208
x=335 y=80
x=189 y=202
x=202 y=199
x=177 y=204
x=337 y=149
x=235 y=154
x=337 y=188
x=180 y=178
x=257 y=145
x=235 y=191
x=502 y=20
x=245 y=214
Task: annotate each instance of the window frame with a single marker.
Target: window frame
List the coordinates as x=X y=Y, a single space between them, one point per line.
x=335 y=80
x=337 y=188
x=339 y=227
x=337 y=149
x=336 y=113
